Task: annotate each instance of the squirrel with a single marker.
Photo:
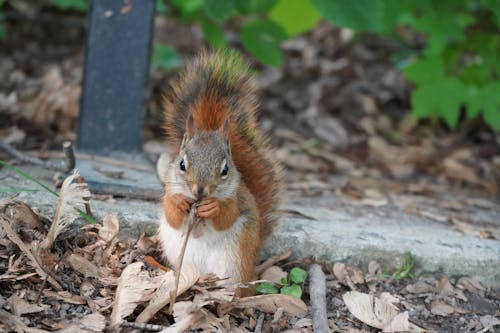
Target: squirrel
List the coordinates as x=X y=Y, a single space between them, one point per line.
x=221 y=160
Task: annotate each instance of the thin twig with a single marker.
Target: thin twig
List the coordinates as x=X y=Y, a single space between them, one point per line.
x=258 y=326
x=192 y=220
x=64 y=166
x=273 y=260
x=317 y=291
x=140 y=326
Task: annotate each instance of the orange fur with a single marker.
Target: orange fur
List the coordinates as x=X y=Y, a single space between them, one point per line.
x=214 y=88
x=228 y=214
x=174 y=207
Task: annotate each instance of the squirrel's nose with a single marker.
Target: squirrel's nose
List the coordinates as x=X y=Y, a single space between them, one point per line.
x=201 y=191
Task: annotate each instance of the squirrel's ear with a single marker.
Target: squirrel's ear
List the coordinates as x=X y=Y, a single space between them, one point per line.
x=225 y=130
x=189 y=126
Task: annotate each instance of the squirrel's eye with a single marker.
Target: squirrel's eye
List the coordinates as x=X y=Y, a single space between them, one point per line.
x=224 y=171
x=182 y=165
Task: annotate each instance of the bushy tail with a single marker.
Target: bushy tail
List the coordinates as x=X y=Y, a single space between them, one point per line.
x=214 y=87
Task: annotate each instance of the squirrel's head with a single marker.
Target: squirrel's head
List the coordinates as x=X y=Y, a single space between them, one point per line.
x=204 y=166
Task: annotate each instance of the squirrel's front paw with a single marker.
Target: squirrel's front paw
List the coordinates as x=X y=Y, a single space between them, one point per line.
x=182 y=202
x=208 y=208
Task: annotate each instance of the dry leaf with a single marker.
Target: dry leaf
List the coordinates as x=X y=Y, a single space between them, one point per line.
x=71 y=196
x=441 y=309
x=64 y=296
x=134 y=286
x=82 y=265
x=110 y=227
x=399 y=323
x=188 y=277
x=489 y=321
x=470 y=285
x=271 y=303
x=274 y=274
x=369 y=309
x=376 y=312
x=420 y=287
x=20 y=306
x=14 y=237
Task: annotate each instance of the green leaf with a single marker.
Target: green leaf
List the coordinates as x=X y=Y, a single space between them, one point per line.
x=80 y=5
x=219 y=10
x=425 y=70
x=188 y=8
x=494 y=6
x=441 y=98
x=485 y=101
x=358 y=14
x=298 y=275
x=267 y=288
x=294 y=290
x=441 y=28
x=165 y=57
x=284 y=281
x=262 y=38
x=254 y=6
x=295 y=16
x=213 y=33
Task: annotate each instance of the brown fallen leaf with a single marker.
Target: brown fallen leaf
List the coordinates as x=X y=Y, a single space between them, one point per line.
x=134 y=286
x=440 y=308
x=110 y=227
x=469 y=284
x=399 y=323
x=91 y=323
x=64 y=296
x=274 y=274
x=271 y=303
x=20 y=306
x=188 y=277
x=375 y=312
x=83 y=265
x=420 y=287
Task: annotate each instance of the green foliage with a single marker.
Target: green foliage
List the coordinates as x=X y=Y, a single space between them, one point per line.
x=165 y=57
x=79 y=5
x=405 y=269
x=298 y=275
x=292 y=286
x=458 y=69
x=357 y=15
x=295 y=16
x=262 y=38
x=267 y=288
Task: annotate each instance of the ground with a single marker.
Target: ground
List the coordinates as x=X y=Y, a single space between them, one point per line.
x=365 y=184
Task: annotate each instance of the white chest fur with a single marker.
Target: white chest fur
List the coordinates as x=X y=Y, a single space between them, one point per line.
x=213 y=252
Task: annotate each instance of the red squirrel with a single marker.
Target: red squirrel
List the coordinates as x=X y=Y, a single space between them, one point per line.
x=221 y=160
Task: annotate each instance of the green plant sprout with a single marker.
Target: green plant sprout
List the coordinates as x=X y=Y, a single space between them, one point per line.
x=293 y=286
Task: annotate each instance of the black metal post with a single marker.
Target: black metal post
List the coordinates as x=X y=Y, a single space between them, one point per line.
x=115 y=76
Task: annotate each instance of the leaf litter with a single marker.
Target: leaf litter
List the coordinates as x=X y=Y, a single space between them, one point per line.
x=90 y=281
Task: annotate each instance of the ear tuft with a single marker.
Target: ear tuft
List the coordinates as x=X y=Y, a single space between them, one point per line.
x=225 y=129
x=189 y=126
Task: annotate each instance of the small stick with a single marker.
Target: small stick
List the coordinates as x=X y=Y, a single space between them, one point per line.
x=317 y=291
x=81 y=180
x=273 y=260
x=192 y=220
x=258 y=326
x=142 y=326
x=64 y=166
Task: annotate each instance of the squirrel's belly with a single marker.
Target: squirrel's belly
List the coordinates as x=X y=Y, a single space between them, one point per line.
x=213 y=252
